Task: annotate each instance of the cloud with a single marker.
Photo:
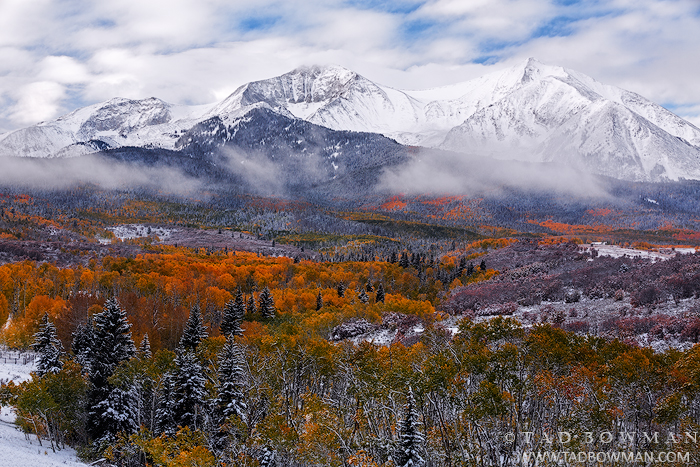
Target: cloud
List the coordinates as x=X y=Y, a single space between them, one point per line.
x=198 y=51
x=37 y=101
x=108 y=174
x=444 y=172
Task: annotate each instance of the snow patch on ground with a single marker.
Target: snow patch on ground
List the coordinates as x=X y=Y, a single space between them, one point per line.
x=16 y=366
x=129 y=231
x=615 y=251
x=16 y=448
x=19 y=450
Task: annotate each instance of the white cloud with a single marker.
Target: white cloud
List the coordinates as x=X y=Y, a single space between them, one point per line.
x=37 y=101
x=199 y=51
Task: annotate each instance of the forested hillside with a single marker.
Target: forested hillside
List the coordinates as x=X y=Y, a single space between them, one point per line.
x=415 y=330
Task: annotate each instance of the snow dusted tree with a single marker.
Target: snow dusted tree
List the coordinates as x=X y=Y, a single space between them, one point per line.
x=267 y=457
x=165 y=413
x=231 y=399
x=194 y=330
x=145 y=348
x=48 y=348
x=234 y=311
x=363 y=297
x=112 y=345
x=380 y=294
x=189 y=392
x=118 y=411
x=83 y=337
x=266 y=304
x=411 y=439
x=229 y=406
x=251 y=308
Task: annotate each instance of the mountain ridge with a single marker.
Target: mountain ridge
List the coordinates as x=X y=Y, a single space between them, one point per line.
x=531 y=112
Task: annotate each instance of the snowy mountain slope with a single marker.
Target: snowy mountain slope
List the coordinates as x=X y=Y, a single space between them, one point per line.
x=115 y=123
x=532 y=112
x=554 y=115
x=330 y=96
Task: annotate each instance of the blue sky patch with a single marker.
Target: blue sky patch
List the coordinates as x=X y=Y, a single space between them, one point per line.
x=402 y=7
x=258 y=23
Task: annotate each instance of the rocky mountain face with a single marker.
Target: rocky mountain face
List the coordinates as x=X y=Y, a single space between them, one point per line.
x=531 y=112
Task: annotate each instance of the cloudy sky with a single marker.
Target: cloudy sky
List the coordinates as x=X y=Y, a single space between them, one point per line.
x=57 y=55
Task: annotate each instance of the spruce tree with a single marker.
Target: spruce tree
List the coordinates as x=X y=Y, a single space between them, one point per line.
x=234 y=312
x=83 y=339
x=368 y=286
x=267 y=457
x=188 y=400
x=251 y=308
x=112 y=345
x=194 y=330
x=380 y=294
x=165 y=412
x=230 y=398
x=363 y=297
x=411 y=440
x=118 y=412
x=266 y=304
x=340 y=289
x=48 y=348
x=482 y=266
x=145 y=348
x=403 y=262
x=319 y=301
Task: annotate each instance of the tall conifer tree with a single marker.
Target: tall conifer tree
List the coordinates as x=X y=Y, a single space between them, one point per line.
x=108 y=406
x=194 y=330
x=48 y=348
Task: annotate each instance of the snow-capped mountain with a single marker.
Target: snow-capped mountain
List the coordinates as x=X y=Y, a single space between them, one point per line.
x=531 y=112
x=551 y=114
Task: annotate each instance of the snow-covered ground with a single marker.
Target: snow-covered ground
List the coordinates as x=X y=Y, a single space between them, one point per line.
x=128 y=231
x=618 y=252
x=17 y=449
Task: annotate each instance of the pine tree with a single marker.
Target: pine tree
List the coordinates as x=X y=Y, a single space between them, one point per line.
x=340 y=289
x=482 y=266
x=266 y=304
x=194 y=330
x=118 y=412
x=380 y=294
x=234 y=312
x=230 y=399
x=403 y=262
x=83 y=338
x=165 y=413
x=411 y=439
x=368 y=286
x=267 y=457
x=462 y=266
x=112 y=345
x=48 y=348
x=251 y=309
x=363 y=297
x=470 y=269
x=319 y=301
x=145 y=348
x=189 y=392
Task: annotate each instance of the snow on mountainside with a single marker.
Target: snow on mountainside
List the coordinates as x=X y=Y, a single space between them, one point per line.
x=115 y=123
x=532 y=112
x=556 y=115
